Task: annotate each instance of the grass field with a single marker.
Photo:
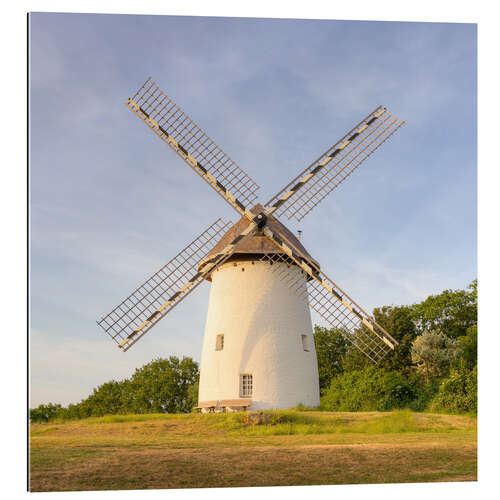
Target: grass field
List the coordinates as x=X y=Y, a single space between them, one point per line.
x=293 y=448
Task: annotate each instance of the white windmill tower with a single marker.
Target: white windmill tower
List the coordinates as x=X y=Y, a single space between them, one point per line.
x=258 y=337
x=258 y=349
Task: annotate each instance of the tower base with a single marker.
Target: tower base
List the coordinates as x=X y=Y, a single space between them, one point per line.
x=258 y=341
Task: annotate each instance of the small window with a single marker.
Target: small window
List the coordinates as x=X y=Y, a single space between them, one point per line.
x=305 y=345
x=246 y=385
x=219 y=342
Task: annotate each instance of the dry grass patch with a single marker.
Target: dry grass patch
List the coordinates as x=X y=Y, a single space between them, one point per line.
x=262 y=466
x=297 y=448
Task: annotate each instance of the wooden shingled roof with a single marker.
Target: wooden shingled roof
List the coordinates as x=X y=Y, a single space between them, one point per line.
x=257 y=244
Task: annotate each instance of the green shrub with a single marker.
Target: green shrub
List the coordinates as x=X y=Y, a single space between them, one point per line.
x=457 y=393
x=371 y=389
x=301 y=407
x=44 y=413
x=192 y=394
x=424 y=391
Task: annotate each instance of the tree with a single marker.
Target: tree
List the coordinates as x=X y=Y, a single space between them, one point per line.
x=110 y=398
x=468 y=347
x=44 y=413
x=331 y=348
x=162 y=386
x=354 y=359
x=399 y=322
x=433 y=353
x=450 y=312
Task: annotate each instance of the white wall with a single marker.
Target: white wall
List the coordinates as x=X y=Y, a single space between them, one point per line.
x=262 y=321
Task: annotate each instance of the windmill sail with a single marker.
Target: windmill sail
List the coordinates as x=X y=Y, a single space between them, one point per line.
x=341 y=312
x=334 y=306
x=327 y=298
x=190 y=143
x=151 y=301
x=324 y=174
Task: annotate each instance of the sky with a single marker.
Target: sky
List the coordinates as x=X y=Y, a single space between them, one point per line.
x=110 y=203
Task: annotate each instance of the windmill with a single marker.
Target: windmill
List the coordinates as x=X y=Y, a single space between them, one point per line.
x=258 y=348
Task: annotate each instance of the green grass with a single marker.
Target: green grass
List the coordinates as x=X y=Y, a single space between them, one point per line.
x=292 y=448
x=282 y=422
x=301 y=423
x=108 y=419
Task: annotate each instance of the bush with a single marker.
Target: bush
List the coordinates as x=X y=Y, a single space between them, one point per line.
x=457 y=393
x=424 y=391
x=192 y=393
x=44 y=413
x=371 y=389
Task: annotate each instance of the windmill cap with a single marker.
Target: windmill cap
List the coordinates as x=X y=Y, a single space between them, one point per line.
x=257 y=245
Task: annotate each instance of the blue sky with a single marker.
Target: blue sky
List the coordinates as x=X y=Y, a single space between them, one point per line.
x=110 y=203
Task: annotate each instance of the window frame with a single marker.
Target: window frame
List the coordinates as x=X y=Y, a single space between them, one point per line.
x=246 y=385
x=219 y=342
x=305 y=342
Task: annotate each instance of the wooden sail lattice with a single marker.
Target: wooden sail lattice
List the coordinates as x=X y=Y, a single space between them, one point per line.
x=151 y=301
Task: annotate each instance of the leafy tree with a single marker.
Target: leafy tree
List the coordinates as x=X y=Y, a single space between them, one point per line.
x=162 y=386
x=108 y=399
x=73 y=412
x=399 y=322
x=331 y=347
x=433 y=353
x=44 y=413
x=468 y=347
x=450 y=312
x=354 y=359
